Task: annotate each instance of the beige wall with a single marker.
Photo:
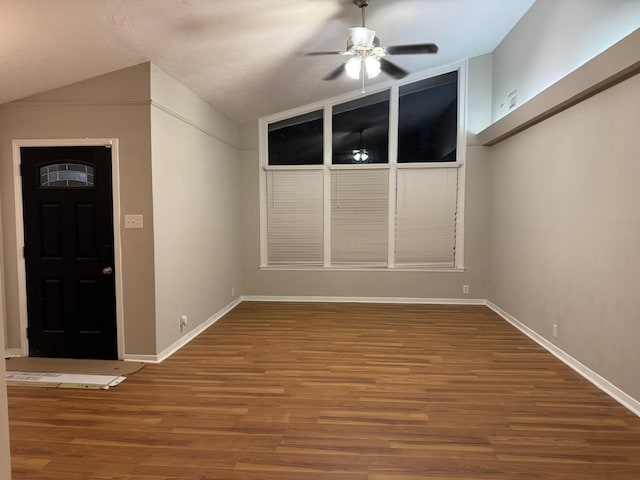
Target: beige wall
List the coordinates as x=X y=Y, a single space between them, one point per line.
x=565 y=233
x=381 y=283
x=111 y=106
x=196 y=208
x=554 y=38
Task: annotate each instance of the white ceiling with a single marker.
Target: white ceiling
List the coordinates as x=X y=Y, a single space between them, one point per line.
x=239 y=55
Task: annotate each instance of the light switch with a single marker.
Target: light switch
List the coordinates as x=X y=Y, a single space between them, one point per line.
x=133 y=221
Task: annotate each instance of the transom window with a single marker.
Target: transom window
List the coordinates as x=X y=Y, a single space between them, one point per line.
x=371 y=182
x=65 y=175
x=428 y=120
x=296 y=140
x=360 y=130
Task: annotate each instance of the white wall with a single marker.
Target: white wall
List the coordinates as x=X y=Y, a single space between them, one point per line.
x=196 y=213
x=554 y=38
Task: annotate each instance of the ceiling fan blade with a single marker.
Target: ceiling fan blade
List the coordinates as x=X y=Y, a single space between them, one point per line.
x=314 y=54
x=392 y=69
x=412 y=49
x=335 y=73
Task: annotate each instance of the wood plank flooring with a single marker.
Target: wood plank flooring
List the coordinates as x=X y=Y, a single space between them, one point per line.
x=334 y=392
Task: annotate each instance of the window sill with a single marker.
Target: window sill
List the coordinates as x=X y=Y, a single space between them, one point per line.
x=312 y=268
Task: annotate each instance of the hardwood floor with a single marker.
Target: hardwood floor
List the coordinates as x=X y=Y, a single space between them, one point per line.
x=334 y=391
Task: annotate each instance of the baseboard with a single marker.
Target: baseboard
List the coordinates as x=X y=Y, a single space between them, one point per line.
x=141 y=358
x=602 y=383
x=181 y=342
x=407 y=300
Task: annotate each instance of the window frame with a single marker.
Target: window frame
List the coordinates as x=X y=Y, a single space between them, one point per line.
x=392 y=166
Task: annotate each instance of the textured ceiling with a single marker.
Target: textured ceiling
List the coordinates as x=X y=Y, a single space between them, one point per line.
x=240 y=56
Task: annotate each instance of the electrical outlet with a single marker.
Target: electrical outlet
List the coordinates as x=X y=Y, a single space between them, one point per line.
x=512 y=101
x=555 y=330
x=182 y=322
x=465 y=289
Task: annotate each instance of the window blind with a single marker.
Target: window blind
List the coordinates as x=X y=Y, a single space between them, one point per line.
x=359 y=212
x=426 y=216
x=294 y=217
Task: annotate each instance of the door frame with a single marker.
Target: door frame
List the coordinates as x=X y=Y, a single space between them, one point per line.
x=19 y=220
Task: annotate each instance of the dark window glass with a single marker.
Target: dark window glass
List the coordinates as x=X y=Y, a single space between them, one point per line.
x=297 y=140
x=65 y=175
x=361 y=130
x=428 y=120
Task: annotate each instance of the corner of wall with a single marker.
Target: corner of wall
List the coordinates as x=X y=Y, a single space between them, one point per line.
x=173 y=97
x=197 y=213
x=249 y=135
x=480 y=77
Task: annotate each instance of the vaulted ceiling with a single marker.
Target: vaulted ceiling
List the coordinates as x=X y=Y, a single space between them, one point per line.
x=240 y=56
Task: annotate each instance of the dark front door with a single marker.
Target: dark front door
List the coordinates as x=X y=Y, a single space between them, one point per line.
x=68 y=231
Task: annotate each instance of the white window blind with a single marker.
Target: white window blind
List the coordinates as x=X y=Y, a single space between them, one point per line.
x=359 y=212
x=294 y=217
x=426 y=216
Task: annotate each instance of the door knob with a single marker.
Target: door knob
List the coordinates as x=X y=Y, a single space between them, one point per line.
x=107 y=270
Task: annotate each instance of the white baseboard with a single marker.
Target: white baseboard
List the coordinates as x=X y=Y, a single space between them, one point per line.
x=407 y=300
x=602 y=383
x=182 y=341
x=141 y=358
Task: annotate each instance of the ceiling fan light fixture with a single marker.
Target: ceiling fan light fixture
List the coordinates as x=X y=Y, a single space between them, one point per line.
x=362 y=37
x=353 y=67
x=368 y=55
x=372 y=66
x=360 y=155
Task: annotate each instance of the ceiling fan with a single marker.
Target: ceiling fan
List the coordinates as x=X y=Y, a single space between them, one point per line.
x=368 y=57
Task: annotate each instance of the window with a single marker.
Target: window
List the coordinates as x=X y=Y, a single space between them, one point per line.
x=360 y=130
x=371 y=182
x=426 y=216
x=294 y=217
x=297 y=140
x=428 y=120
x=359 y=217
x=295 y=206
x=66 y=175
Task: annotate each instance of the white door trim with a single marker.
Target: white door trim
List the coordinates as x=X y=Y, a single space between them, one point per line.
x=117 y=244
